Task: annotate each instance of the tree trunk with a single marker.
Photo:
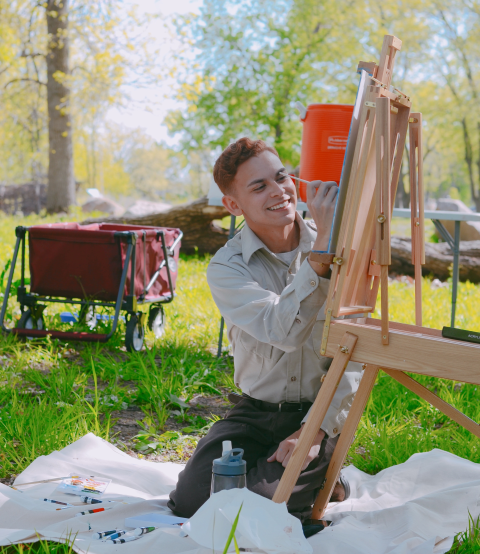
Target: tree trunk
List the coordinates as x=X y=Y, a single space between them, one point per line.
x=438 y=259
x=61 y=184
x=469 y=161
x=195 y=219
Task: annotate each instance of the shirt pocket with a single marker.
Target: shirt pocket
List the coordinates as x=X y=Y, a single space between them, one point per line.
x=254 y=346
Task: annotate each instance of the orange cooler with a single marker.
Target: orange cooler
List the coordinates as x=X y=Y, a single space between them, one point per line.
x=324 y=141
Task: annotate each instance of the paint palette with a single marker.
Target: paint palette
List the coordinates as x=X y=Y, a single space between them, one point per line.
x=83 y=485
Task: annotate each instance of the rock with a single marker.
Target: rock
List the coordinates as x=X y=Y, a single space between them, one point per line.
x=104 y=205
x=469 y=230
x=145 y=207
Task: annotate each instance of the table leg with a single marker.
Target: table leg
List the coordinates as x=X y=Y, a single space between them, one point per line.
x=455 y=276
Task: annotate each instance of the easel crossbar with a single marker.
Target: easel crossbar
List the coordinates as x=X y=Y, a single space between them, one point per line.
x=412 y=349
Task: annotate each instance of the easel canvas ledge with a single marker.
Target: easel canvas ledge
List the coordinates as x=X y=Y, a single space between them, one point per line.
x=361 y=265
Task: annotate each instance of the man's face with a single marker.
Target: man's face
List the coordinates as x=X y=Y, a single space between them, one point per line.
x=261 y=194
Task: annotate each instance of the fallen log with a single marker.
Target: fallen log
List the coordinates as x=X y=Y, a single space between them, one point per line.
x=201 y=234
x=438 y=259
x=195 y=219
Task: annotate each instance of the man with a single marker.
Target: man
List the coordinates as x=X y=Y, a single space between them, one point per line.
x=271 y=295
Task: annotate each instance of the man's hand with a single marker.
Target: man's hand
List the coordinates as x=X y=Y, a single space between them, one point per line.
x=285 y=449
x=321 y=198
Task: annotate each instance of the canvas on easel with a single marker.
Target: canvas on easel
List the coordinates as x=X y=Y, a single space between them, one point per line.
x=360 y=266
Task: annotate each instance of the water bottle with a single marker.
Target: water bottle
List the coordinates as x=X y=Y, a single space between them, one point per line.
x=229 y=471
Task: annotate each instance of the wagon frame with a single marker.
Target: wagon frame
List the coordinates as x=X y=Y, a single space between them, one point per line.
x=32 y=305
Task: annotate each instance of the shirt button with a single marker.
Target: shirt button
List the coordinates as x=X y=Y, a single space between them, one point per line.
x=297 y=320
x=335 y=430
x=313 y=283
x=293 y=378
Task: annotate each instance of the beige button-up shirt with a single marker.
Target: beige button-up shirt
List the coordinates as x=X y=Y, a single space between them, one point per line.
x=275 y=322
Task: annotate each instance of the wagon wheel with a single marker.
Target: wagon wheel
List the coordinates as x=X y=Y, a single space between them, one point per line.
x=30 y=321
x=156 y=320
x=134 y=334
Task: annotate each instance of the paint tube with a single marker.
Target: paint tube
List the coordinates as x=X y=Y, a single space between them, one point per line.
x=95 y=511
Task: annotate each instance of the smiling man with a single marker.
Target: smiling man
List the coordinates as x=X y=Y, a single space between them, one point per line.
x=271 y=295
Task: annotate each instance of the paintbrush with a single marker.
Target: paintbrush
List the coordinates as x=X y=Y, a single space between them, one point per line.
x=297 y=178
x=37 y=482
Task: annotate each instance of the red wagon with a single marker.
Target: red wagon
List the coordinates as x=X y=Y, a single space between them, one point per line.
x=97 y=265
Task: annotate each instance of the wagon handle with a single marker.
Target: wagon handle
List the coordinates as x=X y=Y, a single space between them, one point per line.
x=131 y=241
x=171 y=252
x=20 y=233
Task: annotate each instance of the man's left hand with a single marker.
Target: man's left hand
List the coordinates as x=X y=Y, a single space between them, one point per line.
x=285 y=449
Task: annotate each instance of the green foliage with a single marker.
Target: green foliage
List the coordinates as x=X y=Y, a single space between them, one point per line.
x=253 y=62
x=109 y=47
x=231 y=536
x=468 y=542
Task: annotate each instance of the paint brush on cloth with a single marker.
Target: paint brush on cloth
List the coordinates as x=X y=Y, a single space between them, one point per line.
x=126 y=539
x=143 y=530
x=95 y=511
x=90 y=500
x=38 y=482
x=102 y=534
x=64 y=504
x=116 y=535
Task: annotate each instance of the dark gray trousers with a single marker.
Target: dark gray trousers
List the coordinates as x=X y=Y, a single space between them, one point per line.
x=259 y=433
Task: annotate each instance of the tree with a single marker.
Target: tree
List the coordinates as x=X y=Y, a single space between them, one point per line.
x=62 y=62
x=254 y=60
x=454 y=63
x=61 y=183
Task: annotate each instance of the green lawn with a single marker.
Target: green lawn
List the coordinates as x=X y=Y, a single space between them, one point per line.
x=51 y=394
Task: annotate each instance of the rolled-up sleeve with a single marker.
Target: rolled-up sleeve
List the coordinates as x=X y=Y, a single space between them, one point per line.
x=342 y=401
x=283 y=320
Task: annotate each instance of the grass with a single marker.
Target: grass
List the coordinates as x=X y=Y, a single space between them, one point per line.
x=53 y=393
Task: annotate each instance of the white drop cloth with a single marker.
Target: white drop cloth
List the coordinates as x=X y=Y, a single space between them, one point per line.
x=415 y=507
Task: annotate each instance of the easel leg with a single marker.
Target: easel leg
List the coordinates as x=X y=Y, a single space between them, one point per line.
x=346 y=438
x=315 y=418
x=384 y=302
x=417 y=208
x=455 y=276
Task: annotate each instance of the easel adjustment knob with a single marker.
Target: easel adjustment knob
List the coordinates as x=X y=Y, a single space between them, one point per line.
x=381 y=218
x=344 y=349
x=338 y=261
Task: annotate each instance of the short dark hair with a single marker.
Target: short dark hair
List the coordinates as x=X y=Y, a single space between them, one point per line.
x=234 y=156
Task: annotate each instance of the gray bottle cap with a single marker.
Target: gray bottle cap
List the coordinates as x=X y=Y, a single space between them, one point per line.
x=231 y=463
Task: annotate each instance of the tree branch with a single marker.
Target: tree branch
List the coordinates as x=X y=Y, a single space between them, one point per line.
x=25 y=79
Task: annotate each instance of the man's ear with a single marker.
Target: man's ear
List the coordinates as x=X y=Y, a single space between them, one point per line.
x=231 y=205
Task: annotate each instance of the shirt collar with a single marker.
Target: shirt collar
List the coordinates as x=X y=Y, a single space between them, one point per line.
x=251 y=243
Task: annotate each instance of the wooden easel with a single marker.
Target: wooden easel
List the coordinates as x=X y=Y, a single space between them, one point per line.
x=360 y=266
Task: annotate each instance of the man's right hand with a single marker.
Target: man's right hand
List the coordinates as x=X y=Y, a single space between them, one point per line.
x=321 y=198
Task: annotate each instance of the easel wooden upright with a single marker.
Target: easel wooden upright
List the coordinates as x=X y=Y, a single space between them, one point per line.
x=360 y=266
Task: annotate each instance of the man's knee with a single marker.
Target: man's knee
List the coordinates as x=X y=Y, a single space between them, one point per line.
x=190 y=493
